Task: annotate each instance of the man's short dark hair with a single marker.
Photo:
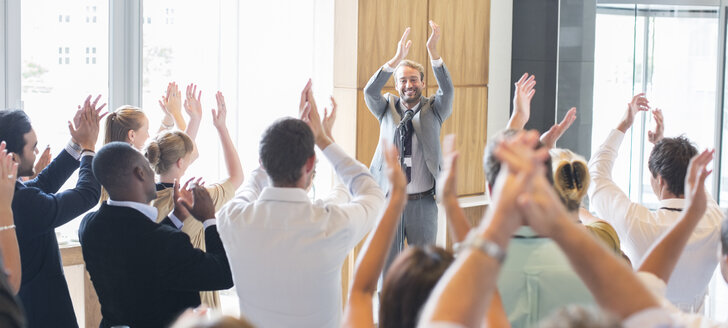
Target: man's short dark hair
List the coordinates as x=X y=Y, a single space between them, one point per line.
x=284 y=149
x=14 y=124
x=114 y=162
x=670 y=159
x=492 y=164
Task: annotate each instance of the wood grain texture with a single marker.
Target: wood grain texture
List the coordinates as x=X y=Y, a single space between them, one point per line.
x=465 y=35
x=468 y=123
x=381 y=24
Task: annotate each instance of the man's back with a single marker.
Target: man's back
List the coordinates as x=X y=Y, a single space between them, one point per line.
x=286 y=252
x=135 y=267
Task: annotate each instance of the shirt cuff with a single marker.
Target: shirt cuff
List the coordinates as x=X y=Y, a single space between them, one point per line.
x=209 y=222
x=87 y=153
x=615 y=138
x=176 y=221
x=74 y=149
x=437 y=62
x=387 y=68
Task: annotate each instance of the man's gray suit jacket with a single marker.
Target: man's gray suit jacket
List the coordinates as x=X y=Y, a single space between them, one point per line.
x=433 y=111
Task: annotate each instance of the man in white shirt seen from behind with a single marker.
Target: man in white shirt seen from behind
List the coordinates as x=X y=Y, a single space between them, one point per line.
x=285 y=251
x=638 y=227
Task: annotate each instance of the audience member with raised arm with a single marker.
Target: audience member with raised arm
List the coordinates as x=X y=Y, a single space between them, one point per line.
x=537 y=278
x=286 y=251
x=413 y=122
x=639 y=227
x=171 y=105
x=522 y=195
x=39 y=208
x=11 y=312
x=146 y=274
x=170 y=154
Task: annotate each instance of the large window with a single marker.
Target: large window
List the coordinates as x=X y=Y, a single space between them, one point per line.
x=671 y=54
x=64 y=58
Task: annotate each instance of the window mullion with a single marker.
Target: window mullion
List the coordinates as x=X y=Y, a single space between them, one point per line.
x=125 y=53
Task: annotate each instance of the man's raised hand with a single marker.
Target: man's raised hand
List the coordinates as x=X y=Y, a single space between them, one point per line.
x=655 y=136
x=403 y=47
x=639 y=103
x=432 y=41
x=86 y=132
x=329 y=119
x=311 y=116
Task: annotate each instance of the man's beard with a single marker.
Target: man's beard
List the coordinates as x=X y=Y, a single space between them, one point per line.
x=415 y=98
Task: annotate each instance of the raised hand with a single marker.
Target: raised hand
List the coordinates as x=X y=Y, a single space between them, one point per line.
x=522 y=101
x=181 y=195
x=311 y=116
x=655 y=136
x=550 y=137
x=396 y=177
x=403 y=47
x=87 y=131
x=695 y=197
x=448 y=175
x=521 y=164
x=329 y=119
x=43 y=161
x=202 y=208
x=8 y=176
x=219 y=116
x=432 y=41
x=171 y=102
x=542 y=208
x=639 y=103
x=192 y=104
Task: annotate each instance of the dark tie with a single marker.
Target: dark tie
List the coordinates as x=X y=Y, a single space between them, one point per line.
x=404 y=143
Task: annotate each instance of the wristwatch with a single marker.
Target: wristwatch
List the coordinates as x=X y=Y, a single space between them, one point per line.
x=475 y=241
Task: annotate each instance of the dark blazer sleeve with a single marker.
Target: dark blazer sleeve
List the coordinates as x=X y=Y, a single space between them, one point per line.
x=55 y=174
x=184 y=267
x=37 y=212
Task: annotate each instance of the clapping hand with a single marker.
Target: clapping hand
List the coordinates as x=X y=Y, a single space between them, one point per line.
x=403 y=47
x=43 y=161
x=639 y=103
x=448 y=175
x=655 y=136
x=310 y=115
x=171 y=103
x=432 y=41
x=8 y=176
x=329 y=119
x=86 y=130
x=695 y=197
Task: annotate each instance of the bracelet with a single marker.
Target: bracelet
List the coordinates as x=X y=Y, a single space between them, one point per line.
x=489 y=248
x=12 y=226
x=171 y=125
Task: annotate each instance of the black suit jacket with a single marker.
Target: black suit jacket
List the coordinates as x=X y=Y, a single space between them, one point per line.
x=145 y=273
x=39 y=208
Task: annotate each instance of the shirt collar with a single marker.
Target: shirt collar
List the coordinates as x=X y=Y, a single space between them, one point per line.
x=525 y=231
x=284 y=194
x=148 y=210
x=677 y=203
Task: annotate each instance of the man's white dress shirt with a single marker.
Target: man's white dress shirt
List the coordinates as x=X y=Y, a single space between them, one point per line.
x=286 y=252
x=639 y=228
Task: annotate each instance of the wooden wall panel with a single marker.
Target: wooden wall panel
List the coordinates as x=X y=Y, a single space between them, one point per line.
x=474 y=216
x=381 y=24
x=465 y=27
x=468 y=122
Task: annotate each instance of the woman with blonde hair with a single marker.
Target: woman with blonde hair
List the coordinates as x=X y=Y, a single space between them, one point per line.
x=170 y=154
x=571 y=181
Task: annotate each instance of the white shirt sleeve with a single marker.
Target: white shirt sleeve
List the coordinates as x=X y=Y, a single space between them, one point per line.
x=437 y=62
x=367 y=200
x=608 y=200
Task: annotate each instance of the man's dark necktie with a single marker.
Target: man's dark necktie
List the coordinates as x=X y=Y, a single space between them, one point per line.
x=404 y=138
